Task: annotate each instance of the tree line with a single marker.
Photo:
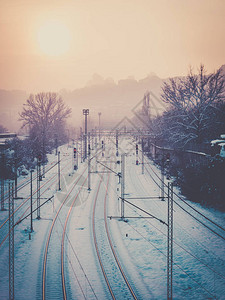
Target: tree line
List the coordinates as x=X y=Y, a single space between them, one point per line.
x=195 y=110
x=195 y=115
x=44 y=117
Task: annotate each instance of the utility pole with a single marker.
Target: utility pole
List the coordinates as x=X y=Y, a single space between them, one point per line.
x=38 y=186
x=99 y=116
x=89 y=167
x=31 y=201
x=92 y=139
x=89 y=139
x=170 y=243
x=77 y=162
x=96 y=141
x=2 y=174
x=15 y=167
x=56 y=144
x=122 y=184
x=59 y=170
x=85 y=113
x=43 y=155
x=81 y=145
x=2 y=193
x=68 y=138
x=142 y=145
x=11 y=241
x=162 y=177
x=117 y=153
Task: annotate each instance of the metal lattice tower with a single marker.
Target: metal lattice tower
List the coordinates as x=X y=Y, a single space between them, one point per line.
x=2 y=194
x=11 y=241
x=81 y=146
x=38 y=188
x=162 y=177
x=117 y=153
x=59 y=170
x=122 y=184
x=99 y=117
x=170 y=244
x=15 y=166
x=2 y=175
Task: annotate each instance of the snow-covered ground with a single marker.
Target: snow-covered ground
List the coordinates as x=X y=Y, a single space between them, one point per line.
x=140 y=243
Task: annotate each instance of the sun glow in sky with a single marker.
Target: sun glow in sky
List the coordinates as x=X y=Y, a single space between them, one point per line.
x=50 y=45
x=54 y=38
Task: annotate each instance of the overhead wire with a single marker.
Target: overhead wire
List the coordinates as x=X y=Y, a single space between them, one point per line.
x=189 y=206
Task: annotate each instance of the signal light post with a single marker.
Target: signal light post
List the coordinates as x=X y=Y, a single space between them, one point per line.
x=75 y=158
x=117 y=153
x=15 y=167
x=39 y=178
x=136 y=154
x=89 y=167
x=81 y=146
x=31 y=201
x=99 y=116
x=2 y=175
x=56 y=144
x=142 y=145
x=59 y=170
x=85 y=113
x=77 y=145
x=162 y=177
x=122 y=184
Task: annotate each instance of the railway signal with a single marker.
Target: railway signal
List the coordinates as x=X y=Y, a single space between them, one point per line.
x=136 y=154
x=39 y=178
x=75 y=159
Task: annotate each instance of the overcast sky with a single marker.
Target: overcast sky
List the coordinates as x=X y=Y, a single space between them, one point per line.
x=50 y=45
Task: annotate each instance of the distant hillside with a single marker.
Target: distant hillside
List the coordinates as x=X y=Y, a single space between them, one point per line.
x=113 y=100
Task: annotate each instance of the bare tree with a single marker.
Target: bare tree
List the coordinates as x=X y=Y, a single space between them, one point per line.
x=45 y=115
x=193 y=100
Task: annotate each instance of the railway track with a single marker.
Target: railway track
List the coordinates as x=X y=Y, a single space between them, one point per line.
x=55 y=282
x=25 y=205
x=194 y=251
x=53 y=276
x=117 y=283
